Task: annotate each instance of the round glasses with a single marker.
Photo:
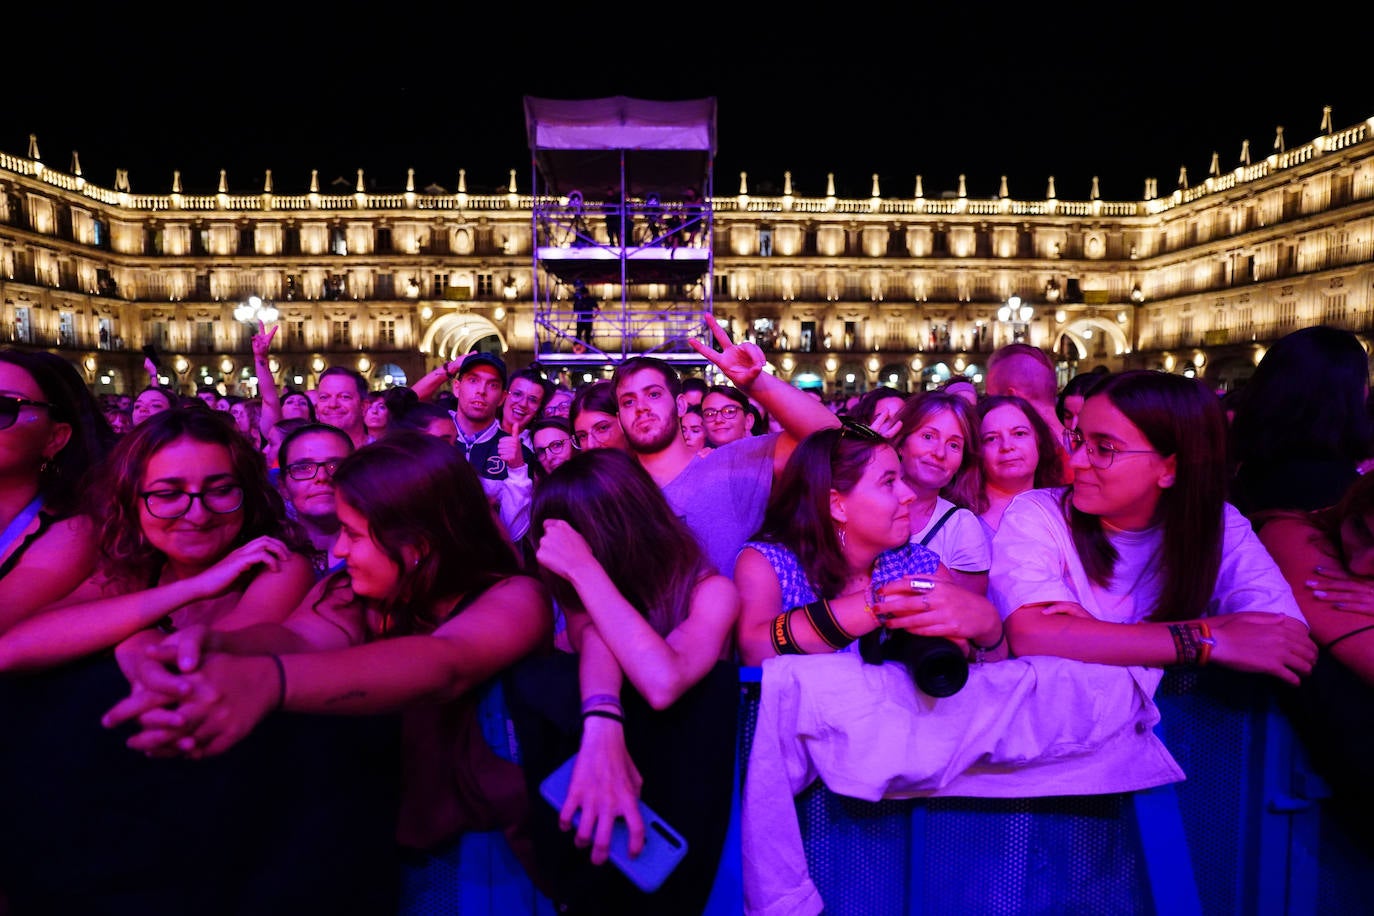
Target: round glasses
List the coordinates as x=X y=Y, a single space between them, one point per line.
x=167 y=504
x=729 y=413
x=9 y=408
x=600 y=430
x=556 y=447
x=1103 y=453
x=306 y=470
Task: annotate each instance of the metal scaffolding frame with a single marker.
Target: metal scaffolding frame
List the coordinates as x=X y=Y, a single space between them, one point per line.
x=622 y=194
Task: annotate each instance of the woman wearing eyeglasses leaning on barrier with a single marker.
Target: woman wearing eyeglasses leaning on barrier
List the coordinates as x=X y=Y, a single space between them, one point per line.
x=51 y=432
x=189 y=531
x=1140 y=561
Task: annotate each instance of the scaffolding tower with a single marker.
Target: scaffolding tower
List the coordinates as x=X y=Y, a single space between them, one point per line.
x=622 y=214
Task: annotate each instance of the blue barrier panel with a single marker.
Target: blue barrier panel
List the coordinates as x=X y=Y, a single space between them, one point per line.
x=1243 y=834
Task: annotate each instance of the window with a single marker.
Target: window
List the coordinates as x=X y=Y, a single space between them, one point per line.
x=808 y=337
x=338 y=241
x=386 y=332
x=484 y=284
x=205 y=336
x=66 y=329
x=295 y=333
x=338 y=333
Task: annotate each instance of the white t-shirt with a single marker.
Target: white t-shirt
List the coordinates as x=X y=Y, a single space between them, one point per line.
x=1034 y=560
x=960 y=543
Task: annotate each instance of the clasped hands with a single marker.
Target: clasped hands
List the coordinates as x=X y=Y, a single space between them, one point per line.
x=190 y=701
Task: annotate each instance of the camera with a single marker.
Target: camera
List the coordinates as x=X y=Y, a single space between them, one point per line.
x=936 y=665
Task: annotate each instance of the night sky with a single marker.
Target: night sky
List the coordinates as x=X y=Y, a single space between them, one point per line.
x=385 y=88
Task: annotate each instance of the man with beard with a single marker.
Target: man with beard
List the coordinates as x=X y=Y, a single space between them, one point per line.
x=721 y=495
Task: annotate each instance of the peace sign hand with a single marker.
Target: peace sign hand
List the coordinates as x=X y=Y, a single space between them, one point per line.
x=741 y=363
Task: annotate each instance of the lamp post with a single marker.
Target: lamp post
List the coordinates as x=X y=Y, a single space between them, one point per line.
x=1017 y=314
x=256 y=309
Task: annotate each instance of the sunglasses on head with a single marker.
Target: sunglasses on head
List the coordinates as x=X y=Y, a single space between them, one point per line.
x=10 y=407
x=856 y=430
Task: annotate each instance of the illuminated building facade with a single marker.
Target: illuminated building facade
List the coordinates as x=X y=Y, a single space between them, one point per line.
x=842 y=294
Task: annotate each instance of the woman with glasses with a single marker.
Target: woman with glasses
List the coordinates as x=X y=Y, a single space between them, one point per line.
x=430 y=607
x=1141 y=561
x=52 y=433
x=307 y=459
x=647 y=696
x=189 y=531
x=1018 y=453
x=594 y=417
x=728 y=415
x=553 y=442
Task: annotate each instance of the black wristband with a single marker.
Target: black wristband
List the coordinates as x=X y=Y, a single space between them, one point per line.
x=604 y=714
x=1001 y=638
x=281 y=681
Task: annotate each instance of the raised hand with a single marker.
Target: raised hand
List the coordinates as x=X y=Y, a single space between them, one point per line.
x=509 y=449
x=266 y=552
x=562 y=549
x=741 y=363
x=262 y=340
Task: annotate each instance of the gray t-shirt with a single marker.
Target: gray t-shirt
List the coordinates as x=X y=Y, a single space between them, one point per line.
x=722 y=495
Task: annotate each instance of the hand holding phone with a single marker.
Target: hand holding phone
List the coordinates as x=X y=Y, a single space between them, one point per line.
x=663 y=848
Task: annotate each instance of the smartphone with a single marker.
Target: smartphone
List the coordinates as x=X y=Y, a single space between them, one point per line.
x=150 y=352
x=663 y=848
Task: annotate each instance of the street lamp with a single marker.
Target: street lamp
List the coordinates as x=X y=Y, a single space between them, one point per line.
x=1018 y=314
x=255 y=310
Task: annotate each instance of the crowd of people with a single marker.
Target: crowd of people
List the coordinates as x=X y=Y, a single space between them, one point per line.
x=276 y=617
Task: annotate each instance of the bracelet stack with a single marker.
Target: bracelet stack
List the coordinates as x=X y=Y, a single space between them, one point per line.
x=1193 y=643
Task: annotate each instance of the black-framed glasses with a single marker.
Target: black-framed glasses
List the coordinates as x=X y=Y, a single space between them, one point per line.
x=10 y=406
x=167 y=504
x=1102 y=454
x=729 y=413
x=600 y=430
x=306 y=470
x=861 y=431
x=556 y=447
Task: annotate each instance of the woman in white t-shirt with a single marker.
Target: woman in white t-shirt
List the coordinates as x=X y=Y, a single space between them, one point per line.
x=1140 y=561
x=937 y=443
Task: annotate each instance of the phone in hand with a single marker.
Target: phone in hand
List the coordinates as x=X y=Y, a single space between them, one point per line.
x=150 y=353
x=663 y=848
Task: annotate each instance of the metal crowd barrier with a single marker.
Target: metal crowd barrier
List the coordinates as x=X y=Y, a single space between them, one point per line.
x=1243 y=834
